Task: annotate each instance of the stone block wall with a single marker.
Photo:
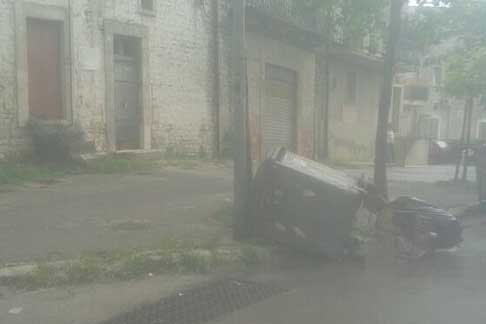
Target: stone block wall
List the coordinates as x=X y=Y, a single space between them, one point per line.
x=183 y=96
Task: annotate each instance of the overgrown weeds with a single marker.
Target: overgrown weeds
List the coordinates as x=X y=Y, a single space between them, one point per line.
x=111 y=164
x=173 y=257
x=224 y=215
x=18 y=173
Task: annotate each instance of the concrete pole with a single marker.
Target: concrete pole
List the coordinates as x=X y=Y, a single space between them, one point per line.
x=241 y=151
x=386 y=95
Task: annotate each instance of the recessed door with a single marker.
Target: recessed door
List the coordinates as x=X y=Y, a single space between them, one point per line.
x=127 y=92
x=44 y=55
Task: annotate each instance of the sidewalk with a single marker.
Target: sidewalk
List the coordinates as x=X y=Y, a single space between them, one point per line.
x=88 y=304
x=430 y=183
x=87 y=213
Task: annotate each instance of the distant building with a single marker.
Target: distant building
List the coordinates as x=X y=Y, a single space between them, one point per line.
x=422 y=111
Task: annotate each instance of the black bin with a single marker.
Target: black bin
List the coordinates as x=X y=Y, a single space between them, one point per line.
x=305 y=205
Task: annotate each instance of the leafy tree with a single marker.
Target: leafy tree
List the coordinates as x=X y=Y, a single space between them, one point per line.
x=422 y=30
x=466 y=78
x=466 y=73
x=466 y=21
x=463 y=22
x=463 y=19
x=348 y=21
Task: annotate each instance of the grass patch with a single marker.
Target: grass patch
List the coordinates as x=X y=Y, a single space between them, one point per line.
x=17 y=173
x=253 y=255
x=20 y=172
x=118 y=165
x=224 y=215
x=130 y=225
x=186 y=164
x=173 y=257
x=341 y=164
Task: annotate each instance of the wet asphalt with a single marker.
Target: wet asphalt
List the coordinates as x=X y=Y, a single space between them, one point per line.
x=447 y=288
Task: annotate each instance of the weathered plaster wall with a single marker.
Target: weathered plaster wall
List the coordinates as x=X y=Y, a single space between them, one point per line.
x=352 y=127
x=10 y=134
x=262 y=50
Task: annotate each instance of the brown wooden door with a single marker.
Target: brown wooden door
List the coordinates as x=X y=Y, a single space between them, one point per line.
x=45 y=69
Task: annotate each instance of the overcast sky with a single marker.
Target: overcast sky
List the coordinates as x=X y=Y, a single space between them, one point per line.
x=412 y=2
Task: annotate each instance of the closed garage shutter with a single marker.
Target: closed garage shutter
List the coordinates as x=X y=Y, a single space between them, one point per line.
x=278 y=113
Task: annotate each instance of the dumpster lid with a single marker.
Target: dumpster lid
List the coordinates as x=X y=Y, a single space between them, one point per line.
x=316 y=170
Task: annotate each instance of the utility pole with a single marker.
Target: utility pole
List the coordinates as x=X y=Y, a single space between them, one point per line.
x=386 y=95
x=324 y=134
x=241 y=151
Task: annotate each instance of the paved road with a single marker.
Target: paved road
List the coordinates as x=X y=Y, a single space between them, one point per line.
x=97 y=212
x=77 y=215
x=431 y=183
x=450 y=288
x=427 y=174
x=88 y=212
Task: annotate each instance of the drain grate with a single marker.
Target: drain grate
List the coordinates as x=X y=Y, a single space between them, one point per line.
x=201 y=304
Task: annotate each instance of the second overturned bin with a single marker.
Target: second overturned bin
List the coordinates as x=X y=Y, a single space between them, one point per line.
x=305 y=205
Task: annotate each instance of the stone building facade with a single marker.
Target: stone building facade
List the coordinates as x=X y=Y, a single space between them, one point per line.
x=175 y=73
x=155 y=75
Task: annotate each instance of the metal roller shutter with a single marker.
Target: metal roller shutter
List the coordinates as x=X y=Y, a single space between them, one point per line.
x=278 y=113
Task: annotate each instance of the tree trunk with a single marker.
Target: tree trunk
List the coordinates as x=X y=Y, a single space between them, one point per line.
x=461 y=143
x=470 y=106
x=217 y=84
x=386 y=94
x=327 y=74
x=242 y=167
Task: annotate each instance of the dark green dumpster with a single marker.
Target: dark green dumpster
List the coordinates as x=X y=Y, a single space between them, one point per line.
x=305 y=205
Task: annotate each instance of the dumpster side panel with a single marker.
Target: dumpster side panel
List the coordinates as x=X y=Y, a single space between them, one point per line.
x=312 y=214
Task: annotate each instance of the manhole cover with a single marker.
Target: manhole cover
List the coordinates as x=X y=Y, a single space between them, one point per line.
x=201 y=304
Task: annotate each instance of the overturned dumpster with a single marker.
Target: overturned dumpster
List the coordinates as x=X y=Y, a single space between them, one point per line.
x=308 y=206
x=305 y=205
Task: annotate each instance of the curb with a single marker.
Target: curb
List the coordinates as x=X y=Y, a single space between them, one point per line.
x=226 y=256
x=22 y=270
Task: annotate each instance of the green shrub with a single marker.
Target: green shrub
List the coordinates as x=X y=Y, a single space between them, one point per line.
x=16 y=173
x=55 y=143
x=115 y=165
